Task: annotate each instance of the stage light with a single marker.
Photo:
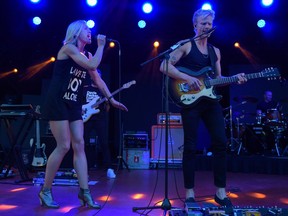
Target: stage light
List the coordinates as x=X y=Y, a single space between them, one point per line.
x=106 y=198
x=257 y=195
x=34 y=69
x=141 y=24
x=138 y=196
x=156 y=44
x=147 y=7
x=7 y=73
x=19 y=189
x=251 y=58
x=267 y=3
x=35 y=1
x=261 y=23
x=206 y=6
x=111 y=44
x=4 y=207
x=90 y=23
x=237 y=45
x=36 y=20
x=91 y=3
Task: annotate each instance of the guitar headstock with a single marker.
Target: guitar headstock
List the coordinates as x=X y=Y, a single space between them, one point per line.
x=270 y=73
x=127 y=85
x=37 y=109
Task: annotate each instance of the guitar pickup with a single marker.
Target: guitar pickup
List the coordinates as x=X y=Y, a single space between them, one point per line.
x=184 y=87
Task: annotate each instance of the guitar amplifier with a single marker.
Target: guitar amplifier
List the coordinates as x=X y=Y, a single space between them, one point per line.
x=135 y=141
x=137 y=158
x=175 y=142
x=173 y=118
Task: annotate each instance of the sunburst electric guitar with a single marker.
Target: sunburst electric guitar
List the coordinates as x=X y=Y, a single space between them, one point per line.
x=182 y=95
x=90 y=108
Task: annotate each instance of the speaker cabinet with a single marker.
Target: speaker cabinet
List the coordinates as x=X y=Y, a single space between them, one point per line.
x=175 y=142
x=137 y=158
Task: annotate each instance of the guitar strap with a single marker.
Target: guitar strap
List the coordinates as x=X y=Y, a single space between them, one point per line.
x=212 y=55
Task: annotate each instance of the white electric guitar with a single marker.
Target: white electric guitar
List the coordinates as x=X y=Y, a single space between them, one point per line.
x=90 y=108
x=39 y=157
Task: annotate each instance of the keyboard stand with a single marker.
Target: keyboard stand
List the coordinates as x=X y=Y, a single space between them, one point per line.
x=14 y=155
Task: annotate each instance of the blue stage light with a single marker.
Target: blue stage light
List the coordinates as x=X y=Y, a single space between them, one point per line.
x=141 y=24
x=91 y=3
x=261 y=23
x=267 y=3
x=35 y=1
x=147 y=7
x=36 y=20
x=90 y=24
x=206 y=6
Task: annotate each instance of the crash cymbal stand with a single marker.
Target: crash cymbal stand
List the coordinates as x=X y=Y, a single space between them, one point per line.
x=277 y=134
x=239 y=139
x=232 y=139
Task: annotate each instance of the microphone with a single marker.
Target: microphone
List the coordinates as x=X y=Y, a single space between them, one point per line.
x=111 y=40
x=206 y=34
x=210 y=31
x=107 y=39
x=177 y=45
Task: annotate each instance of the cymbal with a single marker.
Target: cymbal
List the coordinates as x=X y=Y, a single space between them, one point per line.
x=242 y=114
x=249 y=99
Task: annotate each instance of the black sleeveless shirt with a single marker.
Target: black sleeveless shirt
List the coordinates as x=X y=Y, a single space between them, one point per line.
x=195 y=60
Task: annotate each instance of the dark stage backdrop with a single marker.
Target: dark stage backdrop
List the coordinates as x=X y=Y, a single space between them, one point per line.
x=147 y=98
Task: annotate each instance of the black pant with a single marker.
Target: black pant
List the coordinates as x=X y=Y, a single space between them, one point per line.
x=211 y=114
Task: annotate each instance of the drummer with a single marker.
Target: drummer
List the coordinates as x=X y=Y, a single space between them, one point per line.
x=267 y=104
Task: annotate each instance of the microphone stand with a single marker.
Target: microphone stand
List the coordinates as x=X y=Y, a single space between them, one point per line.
x=166 y=204
x=120 y=151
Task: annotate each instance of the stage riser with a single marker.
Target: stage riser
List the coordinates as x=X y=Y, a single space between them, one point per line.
x=242 y=164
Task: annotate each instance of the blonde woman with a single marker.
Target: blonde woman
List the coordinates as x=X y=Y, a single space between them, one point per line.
x=63 y=107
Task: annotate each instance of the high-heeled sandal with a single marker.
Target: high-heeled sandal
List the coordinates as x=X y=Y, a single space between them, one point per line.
x=85 y=198
x=46 y=199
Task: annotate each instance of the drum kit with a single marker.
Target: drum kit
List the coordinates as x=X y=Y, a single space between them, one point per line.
x=267 y=134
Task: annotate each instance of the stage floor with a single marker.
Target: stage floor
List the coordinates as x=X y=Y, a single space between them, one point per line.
x=145 y=187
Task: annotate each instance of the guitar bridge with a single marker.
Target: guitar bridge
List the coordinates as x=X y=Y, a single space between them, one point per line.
x=184 y=87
